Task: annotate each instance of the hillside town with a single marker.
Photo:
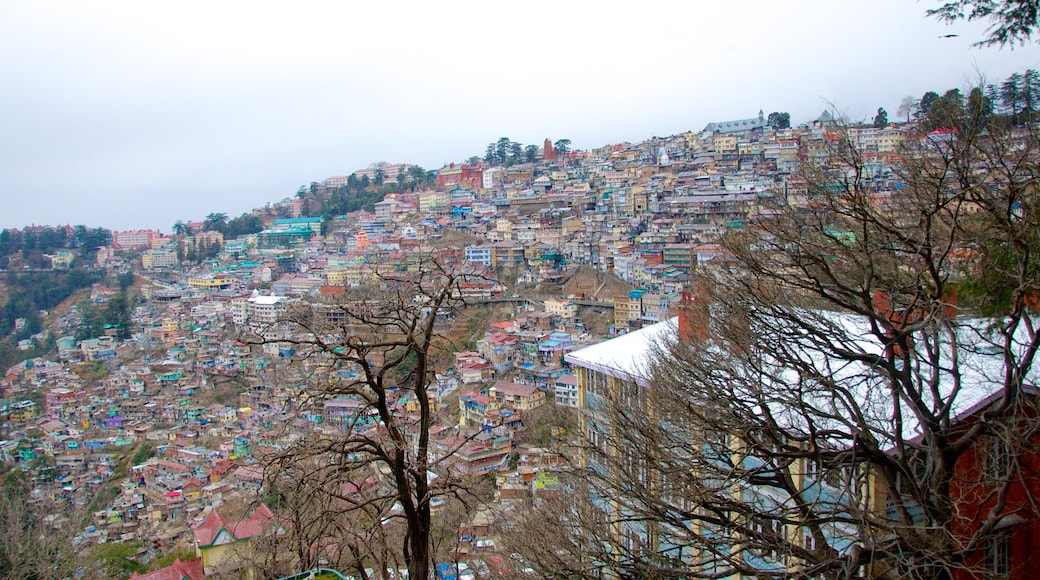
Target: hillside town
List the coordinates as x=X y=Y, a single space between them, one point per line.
x=158 y=427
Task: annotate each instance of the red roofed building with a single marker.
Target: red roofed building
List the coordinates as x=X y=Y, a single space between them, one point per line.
x=179 y=570
x=468 y=176
x=226 y=546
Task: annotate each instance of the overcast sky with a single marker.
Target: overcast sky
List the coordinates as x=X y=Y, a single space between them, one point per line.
x=137 y=114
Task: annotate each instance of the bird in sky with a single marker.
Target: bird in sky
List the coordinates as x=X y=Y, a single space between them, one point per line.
x=949 y=36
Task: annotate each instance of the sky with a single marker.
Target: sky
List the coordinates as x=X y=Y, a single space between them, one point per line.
x=134 y=115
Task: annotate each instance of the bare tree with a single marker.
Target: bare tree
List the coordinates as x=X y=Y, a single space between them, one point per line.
x=37 y=538
x=852 y=392
x=370 y=471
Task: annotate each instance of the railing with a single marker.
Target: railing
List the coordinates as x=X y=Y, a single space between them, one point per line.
x=316 y=574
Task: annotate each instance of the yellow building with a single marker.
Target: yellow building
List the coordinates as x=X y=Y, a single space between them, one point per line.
x=226 y=548
x=211 y=282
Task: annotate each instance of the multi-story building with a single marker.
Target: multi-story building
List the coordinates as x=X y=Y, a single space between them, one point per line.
x=613 y=380
x=163 y=258
x=565 y=389
x=517 y=397
x=287 y=224
x=565 y=309
x=508 y=254
x=480 y=255
x=627 y=311
x=134 y=239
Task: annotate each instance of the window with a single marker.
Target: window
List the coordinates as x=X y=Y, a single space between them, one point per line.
x=998 y=554
x=812 y=469
x=998 y=459
x=717 y=439
x=767 y=536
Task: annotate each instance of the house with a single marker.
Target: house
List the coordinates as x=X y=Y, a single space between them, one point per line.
x=224 y=547
x=517 y=397
x=998 y=477
x=179 y=570
x=472 y=408
x=565 y=390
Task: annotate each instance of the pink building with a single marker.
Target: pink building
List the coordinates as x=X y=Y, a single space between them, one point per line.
x=134 y=239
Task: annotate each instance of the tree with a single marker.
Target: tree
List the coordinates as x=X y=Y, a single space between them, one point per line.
x=562 y=146
x=1011 y=21
x=908 y=108
x=979 y=105
x=378 y=176
x=181 y=229
x=38 y=542
x=778 y=120
x=881 y=119
x=491 y=154
x=247 y=223
x=946 y=111
x=374 y=349
x=502 y=149
x=516 y=152
x=813 y=416
x=216 y=222
x=925 y=104
x=1030 y=93
x=531 y=153
x=418 y=175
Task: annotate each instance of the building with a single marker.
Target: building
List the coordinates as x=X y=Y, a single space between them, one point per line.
x=480 y=255
x=565 y=389
x=517 y=397
x=737 y=126
x=463 y=175
x=179 y=570
x=163 y=258
x=134 y=239
x=306 y=223
x=564 y=309
x=612 y=379
x=226 y=547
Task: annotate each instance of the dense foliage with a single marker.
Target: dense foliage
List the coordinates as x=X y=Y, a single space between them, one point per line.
x=31 y=245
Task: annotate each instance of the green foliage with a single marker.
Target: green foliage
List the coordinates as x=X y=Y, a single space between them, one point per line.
x=125 y=281
x=274 y=501
x=143 y=453
x=28 y=293
x=343 y=200
x=167 y=559
x=778 y=120
x=1013 y=102
x=531 y=153
x=881 y=119
x=92 y=371
x=114 y=560
x=1010 y=21
x=245 y=224
x=216 y=222
x=112 y=314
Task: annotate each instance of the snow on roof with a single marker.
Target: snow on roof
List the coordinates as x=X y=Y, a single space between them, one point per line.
x=980 y=365
x=266 y=300
x=627 y=357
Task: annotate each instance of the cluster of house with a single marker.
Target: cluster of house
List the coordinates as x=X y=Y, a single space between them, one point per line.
x=645 y=213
